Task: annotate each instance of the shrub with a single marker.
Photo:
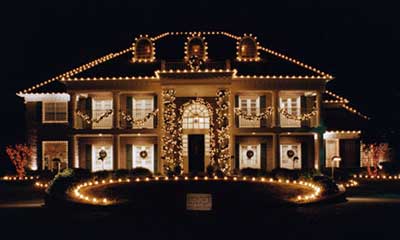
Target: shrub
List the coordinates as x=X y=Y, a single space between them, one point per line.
x=294 y=174
x=64 y=180
x=252 y=172
x=141 y=172
x=390 y=167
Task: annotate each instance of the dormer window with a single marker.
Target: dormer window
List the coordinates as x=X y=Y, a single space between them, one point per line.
x=247 y=49
x=196 y=46
x=143 y=50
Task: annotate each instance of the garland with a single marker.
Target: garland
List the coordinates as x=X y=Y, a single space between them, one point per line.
x=302 y=117
x=172 y=138
x=138 y=122
x=221 y=150
x=248 y=116
x=85 y=117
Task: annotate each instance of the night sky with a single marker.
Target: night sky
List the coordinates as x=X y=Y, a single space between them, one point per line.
x=357 y=42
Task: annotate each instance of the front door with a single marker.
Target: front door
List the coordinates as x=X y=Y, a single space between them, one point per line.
x=196 y=153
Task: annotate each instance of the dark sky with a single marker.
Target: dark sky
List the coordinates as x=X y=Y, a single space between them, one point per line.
x=356 y=41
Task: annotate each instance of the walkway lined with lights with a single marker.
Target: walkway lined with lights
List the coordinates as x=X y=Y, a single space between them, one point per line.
x=78 y=191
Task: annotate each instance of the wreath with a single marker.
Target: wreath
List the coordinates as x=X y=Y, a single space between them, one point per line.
x=102 y=155
x=195 y=62
x=143 y=154
x=290 y=153
x=249 y=154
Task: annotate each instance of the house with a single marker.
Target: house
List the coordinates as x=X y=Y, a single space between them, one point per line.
x=191 y=99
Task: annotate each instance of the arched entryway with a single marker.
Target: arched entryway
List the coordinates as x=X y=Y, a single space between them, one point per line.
x=196 y=123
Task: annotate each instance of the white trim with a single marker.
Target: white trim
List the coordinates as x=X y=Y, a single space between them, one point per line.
x=47 y=142
x=54 y=121
x=45 y=97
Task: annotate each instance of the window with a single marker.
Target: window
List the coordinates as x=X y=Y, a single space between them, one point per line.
x=250 y=156
x=249 y=105
x=97 y=163
x=332 y=149
x=144 y=50
x=196 y=116
x=100 y=107
x=196 y=46
x=54 y=155
x=141 y=106
x=291 y=156
x=143 y=156
x=55 y=112
x=292 y=106
x=247 y=49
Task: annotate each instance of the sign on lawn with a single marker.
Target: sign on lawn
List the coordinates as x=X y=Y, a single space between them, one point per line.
x=198 y=202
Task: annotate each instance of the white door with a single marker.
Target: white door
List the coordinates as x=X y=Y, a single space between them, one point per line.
x=291 y=156
x=143 y=156
x=107 y=163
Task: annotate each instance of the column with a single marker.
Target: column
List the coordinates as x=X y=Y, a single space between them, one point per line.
x=276 y=150
x=116 y=143
x=275 y=105
x=319 y=104
x=116 y=108
x=316 y=151
x=72 y=105
x=321 y=150
x=232 y=128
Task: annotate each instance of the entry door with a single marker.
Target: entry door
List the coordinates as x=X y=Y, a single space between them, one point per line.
x=196 y=153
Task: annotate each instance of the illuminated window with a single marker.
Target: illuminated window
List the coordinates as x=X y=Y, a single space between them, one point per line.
x=250 y=156
x=293 y=107
x=196 y=116
x=54 y=155
x=100 y=107
x=143 y=156
x=141 y=106
x=196 y=47
x=55 y=112
x=247 y=49
x=249 y=105
x=144 y=50
x=332 y=150
x=106 y=163
x=291 y=156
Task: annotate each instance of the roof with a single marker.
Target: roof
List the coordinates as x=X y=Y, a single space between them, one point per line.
x=170 y=47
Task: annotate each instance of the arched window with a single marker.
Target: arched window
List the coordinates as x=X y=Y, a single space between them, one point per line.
x=247 y=49
x=196 y=116
x=196 y=46
x=143 y=50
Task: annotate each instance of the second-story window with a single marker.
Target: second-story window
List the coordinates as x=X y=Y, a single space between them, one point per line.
x=293 y=107
x=55 y=112
x=249 y=105
x=141 y=106
x=100 y=107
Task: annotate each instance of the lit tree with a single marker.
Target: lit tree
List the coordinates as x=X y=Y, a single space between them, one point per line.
x=373 y=152
x=19 y=155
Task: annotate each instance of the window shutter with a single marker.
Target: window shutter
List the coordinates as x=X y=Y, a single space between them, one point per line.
x=129 y=110
x=303 y=109
x=263 y=106
x=236 y=106
x=155 y=118
x=39 y=106
x=304 y=156
x=88 y=111
x=129 y=156
x=310 y=102
x=88 y=154
x=155 y=158
x=237 y=156
x=263 y=158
